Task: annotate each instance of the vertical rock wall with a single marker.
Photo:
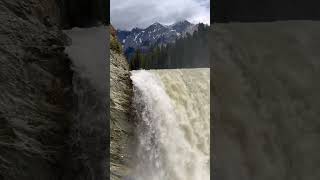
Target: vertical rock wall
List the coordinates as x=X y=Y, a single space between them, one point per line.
x=121 y=123
x=37 y=97
x=36 y=92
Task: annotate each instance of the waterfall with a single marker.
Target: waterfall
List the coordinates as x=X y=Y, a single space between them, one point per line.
x=172 y=109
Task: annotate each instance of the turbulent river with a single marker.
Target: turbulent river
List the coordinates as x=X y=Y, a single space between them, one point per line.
x=172 y=108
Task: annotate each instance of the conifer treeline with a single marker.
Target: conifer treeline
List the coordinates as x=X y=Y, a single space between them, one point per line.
x=189 y=52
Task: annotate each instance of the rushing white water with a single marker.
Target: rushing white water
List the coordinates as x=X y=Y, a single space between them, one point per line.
x=173 y=114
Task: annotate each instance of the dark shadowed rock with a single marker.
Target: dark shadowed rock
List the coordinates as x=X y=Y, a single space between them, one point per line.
x=264 y=10
x=36 y=91
x=36 y=99
x=83 y=13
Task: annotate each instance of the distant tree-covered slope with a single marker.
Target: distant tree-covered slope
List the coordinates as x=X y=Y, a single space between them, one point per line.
x=189 y=52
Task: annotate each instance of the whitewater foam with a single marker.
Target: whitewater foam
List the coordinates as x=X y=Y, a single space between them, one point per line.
x=172 y=108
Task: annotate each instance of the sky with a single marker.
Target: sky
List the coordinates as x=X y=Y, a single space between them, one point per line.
x=128 y=14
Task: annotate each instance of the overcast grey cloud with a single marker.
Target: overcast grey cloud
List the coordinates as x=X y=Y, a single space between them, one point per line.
x=127 y=14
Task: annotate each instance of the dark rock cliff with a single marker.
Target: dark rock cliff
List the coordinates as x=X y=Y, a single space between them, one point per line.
x=83 y=13
x=36 y=87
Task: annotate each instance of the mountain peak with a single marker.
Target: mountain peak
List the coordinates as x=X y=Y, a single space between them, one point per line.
x=182 y=22
x=156 y=24
x=181 y=26
x=136 y=28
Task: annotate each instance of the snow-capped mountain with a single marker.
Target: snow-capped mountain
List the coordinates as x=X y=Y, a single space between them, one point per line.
x=154 y=35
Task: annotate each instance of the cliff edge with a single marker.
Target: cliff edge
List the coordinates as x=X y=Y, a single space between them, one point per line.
x=121 y=125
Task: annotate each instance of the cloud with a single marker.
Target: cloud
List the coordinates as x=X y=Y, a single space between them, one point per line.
x=127 y=14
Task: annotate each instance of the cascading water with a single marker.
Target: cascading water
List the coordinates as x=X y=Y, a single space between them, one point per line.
x=172 y=108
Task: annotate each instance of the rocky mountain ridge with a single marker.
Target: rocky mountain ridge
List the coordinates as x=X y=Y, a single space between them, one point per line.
x=156 y=34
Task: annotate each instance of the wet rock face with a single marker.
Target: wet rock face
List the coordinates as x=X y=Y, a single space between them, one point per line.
x=37 y=95
x=35 y=85
x=121 y=123
x=35 y=11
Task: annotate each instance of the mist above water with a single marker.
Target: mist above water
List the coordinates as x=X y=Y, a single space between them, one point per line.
x=89 y=129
